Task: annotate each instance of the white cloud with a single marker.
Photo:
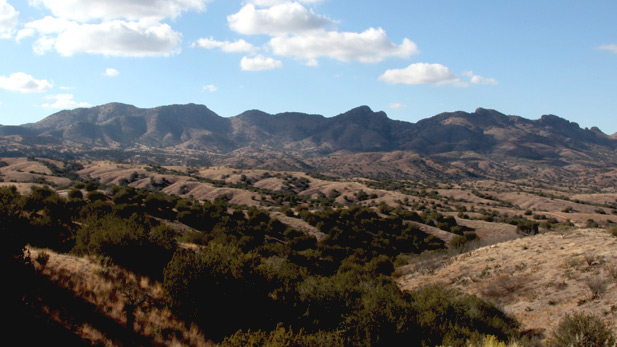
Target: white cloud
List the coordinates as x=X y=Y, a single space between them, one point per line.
x=396 y=106
x=209 y=88
x=476 y=79
x=226 y=46
x=611 y=48
x=369 y=46
x=24 y=83
x=88 y=10
x=422 y=73
x=259 y=63
x=64 y=102
x=281 y=18
x=111 y=72
x=47 y=26
x=126 y=28
x=8 y=20
x=113 y=38
x=267 y=3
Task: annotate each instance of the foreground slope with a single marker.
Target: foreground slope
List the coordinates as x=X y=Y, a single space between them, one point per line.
x=539 y=279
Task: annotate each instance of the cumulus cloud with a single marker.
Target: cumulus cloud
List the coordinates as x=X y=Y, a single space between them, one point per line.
x=209 y=88
x=111 y=72
x=259 y=63
x=8 y=20
x=226 y=46
x=125 y=28
x=24 y=83
x=113 y=38
x=88 y=10
x=281 y=18
x=421 y=73
x=476 y=79
x=64 y=102
x=266 y=3
x=370 y=46
x=298 y=32
x=611 y=48
x=396 y=106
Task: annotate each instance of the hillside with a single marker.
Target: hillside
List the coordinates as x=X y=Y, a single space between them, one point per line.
x=453 y=145
x=315 y=252
x=538 y=279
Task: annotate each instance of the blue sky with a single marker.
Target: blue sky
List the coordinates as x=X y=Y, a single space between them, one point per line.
x=411 y=59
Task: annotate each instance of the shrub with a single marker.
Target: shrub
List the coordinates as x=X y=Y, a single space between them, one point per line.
x=446 y=317
x=459 y=242
x=131 y=243
x=42 y=258
x=581 y=329
x=282 y=337
x=597 y=285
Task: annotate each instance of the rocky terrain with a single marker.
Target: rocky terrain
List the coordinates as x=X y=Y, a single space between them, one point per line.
x=359 y=142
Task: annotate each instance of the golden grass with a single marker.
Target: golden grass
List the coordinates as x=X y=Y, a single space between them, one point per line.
x=105 y=287
x=538 y=279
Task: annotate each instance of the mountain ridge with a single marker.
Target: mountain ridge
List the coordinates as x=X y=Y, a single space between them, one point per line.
x=190 y=132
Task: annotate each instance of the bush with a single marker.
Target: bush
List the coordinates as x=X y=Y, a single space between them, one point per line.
x=282 y=337
x=597 y=285
x=42 y=258
x=448 y=318
x=460 y=241
x=581 y=329
x=131 y=243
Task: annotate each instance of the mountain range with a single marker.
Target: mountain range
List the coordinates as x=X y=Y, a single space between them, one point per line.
x=359 y=141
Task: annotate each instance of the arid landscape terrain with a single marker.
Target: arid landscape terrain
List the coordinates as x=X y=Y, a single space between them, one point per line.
x=467 y=226
x=539 y=250
x=308 y=173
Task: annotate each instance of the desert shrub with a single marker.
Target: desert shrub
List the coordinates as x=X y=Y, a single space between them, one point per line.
x=460 y=241
x=95 y=195
x=597 y=285
x=503 y=286
x=12 y=224
x=75 y=194
x=219 y=288
x=42 y=258
x=580 y=329
x=591 y=223
x=611 y=271
x=91 y=186
x=133 y=243
x=282 y=337
x=50 y=220
x=527 y=226
x=447 y=318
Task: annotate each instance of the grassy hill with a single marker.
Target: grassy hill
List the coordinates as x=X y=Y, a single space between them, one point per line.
x=188 y=255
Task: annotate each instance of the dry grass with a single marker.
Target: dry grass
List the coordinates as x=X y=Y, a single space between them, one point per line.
x=105 y=287
x=538 y=279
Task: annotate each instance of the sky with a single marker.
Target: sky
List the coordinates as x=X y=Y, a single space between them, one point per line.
x=410 y=59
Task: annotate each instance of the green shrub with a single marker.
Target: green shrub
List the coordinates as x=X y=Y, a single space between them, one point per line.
x=132 y=243
x=282 y=337
x=581 y=330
